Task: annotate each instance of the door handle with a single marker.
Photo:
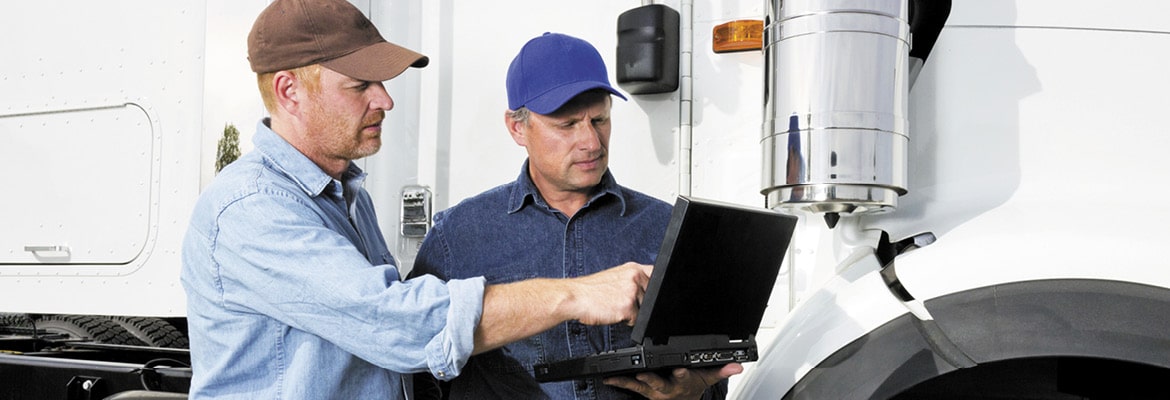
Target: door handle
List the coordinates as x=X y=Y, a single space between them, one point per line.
x=40 y=249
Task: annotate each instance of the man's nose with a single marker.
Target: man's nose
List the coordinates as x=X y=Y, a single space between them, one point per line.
x=588 y=136
x=381 y=98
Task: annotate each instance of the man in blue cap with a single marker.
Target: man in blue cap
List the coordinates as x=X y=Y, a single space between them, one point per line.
x=564 y=216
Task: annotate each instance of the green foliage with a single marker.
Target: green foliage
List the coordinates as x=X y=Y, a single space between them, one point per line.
x=229 y=147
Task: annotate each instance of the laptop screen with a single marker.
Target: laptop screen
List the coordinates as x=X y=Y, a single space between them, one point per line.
x=714 y=272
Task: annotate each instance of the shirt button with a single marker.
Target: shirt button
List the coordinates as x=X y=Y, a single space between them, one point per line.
x=442 y=374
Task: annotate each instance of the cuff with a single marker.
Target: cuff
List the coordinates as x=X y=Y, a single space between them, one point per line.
x=448 y=352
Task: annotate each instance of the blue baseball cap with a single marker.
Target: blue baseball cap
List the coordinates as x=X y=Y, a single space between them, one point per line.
x=553 y=68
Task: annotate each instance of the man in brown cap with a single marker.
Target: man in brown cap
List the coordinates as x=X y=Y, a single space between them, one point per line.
x=292 y=292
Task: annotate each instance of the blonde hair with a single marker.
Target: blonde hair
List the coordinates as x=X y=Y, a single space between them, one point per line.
x=309 y=76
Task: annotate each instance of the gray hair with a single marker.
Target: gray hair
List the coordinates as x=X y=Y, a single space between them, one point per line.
x=583 y=99
x=520 y=115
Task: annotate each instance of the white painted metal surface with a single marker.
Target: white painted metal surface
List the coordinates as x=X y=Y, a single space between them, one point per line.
x=78 y=205
x=1031 y=146
x=99 y=124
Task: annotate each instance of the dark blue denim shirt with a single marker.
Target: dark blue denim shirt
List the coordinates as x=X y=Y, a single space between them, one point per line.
x=510 y=233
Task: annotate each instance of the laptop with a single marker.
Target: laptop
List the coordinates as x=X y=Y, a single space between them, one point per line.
x=711 y=282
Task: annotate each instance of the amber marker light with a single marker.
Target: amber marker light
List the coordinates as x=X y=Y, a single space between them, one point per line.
x=738 y=35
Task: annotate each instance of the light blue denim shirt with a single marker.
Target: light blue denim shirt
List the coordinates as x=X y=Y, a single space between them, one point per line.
x=510 y=233
x=293 y=294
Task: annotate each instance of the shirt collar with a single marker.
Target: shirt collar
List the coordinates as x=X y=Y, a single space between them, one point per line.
x=286 y=158
x=525 y=192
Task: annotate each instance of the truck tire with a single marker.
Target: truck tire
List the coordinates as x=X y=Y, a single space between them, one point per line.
x=15 y=320
x=96 y=328
x=155 y=332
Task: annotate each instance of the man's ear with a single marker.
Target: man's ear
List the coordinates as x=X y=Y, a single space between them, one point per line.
x=516 y=129
x=288 y=92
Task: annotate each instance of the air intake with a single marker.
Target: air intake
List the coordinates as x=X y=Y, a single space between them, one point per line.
x=835 y=130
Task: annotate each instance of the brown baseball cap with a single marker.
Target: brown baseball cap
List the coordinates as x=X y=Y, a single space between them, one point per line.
x=290 y=34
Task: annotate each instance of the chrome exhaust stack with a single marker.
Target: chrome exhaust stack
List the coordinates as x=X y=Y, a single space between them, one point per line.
x=835 y=130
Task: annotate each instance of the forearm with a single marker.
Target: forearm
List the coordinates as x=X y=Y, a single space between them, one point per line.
x=521 y=309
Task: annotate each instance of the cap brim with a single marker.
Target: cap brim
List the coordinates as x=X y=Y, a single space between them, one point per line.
x=377 y=62
x=552 y=100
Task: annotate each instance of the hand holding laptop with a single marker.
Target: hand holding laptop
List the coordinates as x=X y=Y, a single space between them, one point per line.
x=681 y=384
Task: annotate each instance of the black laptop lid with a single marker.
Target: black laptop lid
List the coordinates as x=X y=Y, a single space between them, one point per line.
x=714 y=272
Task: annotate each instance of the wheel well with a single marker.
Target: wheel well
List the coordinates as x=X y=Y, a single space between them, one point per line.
x=1049 y=378
x=1001 y=328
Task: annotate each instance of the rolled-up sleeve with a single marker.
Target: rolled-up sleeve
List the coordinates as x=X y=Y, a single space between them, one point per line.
x=448 y=351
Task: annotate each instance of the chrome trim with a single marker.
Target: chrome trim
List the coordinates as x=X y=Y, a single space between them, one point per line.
x=836 y=129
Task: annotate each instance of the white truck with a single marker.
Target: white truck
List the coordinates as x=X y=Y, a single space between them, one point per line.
x=1019 y=162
